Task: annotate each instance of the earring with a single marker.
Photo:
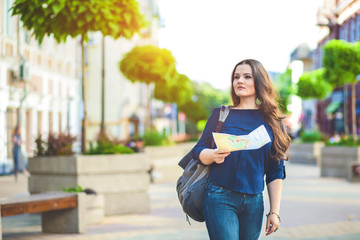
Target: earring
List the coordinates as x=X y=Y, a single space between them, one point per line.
x=257 y=102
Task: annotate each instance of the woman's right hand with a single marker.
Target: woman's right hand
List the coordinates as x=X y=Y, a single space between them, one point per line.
x=219 y=155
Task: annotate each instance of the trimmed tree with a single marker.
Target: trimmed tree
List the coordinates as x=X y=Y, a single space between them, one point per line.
x=63 y=18
x=178 y=89
x=148 y=64
x=313 y=85
x=342 y=64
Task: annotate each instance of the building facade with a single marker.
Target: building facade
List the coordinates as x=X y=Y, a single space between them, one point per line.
x=339 y=19
x=39 y=86
x=303 y=111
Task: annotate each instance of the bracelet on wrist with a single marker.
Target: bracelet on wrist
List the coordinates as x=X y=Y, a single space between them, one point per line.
x=271 y=213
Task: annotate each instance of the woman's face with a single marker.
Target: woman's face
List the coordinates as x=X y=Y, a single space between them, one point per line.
x=243 y=82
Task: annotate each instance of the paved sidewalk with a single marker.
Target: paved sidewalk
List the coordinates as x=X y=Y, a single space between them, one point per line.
x=312 y=208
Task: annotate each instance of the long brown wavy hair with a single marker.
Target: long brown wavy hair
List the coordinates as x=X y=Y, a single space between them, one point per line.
x=265 y=92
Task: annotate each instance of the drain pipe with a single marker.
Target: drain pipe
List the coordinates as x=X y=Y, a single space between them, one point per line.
x=22 y=70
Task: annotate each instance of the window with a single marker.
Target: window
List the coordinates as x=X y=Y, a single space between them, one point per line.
x=60 y=117
x=39 y=121
x=27 y=36
x=352 y=23
x=60 y=90
x=344 y=32
x=9 y=21
x=357 y=28
x=50 y=86
x=50 y=122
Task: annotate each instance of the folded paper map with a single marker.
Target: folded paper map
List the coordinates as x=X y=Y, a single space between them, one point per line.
x=254 y=140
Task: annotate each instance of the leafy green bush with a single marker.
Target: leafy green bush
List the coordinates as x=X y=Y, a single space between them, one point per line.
x=104 y=145
x=73 y=189
x=344 y=141
x=79 y=189
x=153 y=138
x=311 y=136
x=40 y=146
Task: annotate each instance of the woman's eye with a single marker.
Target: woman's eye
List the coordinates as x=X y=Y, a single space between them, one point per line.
x=237 y=77
x=247 y=77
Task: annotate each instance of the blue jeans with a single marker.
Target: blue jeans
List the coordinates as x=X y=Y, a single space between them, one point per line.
x=16 y=150
x=232 y=215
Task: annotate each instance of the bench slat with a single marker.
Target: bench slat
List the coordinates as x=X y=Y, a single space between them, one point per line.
x=36 y=197
x=37 y=206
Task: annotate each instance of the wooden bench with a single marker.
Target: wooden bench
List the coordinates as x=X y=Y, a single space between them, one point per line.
x=60 y=212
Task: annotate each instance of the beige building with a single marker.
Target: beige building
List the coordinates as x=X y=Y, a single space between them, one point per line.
x=39 y=86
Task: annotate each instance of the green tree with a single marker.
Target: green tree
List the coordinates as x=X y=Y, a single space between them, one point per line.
x=283 y=85
x=63 y=18
x=205 y=99
x=210 y=97
x=178 y=89
x=148 y=64
x=341 y=61
x=313 y=85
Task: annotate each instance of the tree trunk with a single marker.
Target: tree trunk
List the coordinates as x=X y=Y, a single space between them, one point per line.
x=148 y=108
x=353 y=111
x=84 y=120
x=102 y=126
x=346 y=125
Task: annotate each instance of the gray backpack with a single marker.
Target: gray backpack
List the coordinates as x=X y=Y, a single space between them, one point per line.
x=192 y=183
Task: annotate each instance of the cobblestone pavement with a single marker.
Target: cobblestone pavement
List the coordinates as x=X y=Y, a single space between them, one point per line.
x=311 y=208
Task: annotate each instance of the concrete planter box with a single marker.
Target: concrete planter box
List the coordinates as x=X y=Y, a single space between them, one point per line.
x=164 y=160
x=306 y=153
x=163 y=156
x=94 y=209
x=122 y=179
x=335 y=160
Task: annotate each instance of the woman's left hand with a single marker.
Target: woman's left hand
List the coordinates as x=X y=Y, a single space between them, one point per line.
x=272 y=224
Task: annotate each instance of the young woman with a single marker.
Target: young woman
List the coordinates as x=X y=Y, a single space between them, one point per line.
x=233 y=203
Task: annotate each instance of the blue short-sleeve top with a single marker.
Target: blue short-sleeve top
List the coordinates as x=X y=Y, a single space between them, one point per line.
x=242 y=171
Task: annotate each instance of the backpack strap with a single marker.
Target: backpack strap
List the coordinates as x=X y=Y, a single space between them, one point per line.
x=224 y=112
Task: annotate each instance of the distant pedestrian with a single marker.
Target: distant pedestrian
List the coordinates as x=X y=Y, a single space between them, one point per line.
x=19 y=164
x=233 y=202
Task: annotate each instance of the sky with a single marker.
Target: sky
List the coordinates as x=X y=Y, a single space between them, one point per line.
x=208 y=37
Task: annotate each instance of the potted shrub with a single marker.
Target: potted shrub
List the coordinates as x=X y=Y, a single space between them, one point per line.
x=112 y=170
x=307 y=149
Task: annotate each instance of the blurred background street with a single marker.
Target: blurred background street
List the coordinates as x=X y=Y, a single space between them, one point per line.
x=101 y=95
x=312 y=208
